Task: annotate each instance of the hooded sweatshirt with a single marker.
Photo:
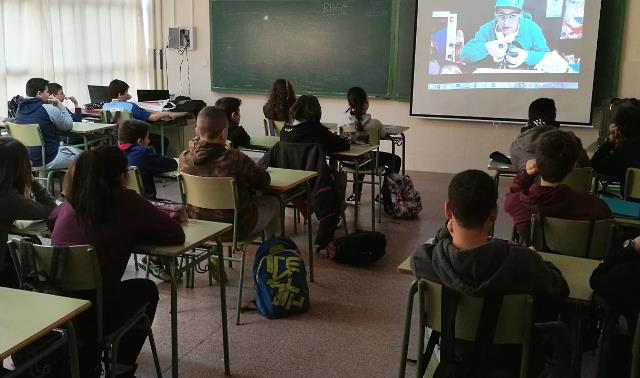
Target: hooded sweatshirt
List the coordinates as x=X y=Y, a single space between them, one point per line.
x=526 y=198
x=497 y=267
x=215 y=160
x=372 y=126
x=314 y=132
x=523 y=147
x=529 y=38
x=51 y=119
x=149 y=163
x=238 y=136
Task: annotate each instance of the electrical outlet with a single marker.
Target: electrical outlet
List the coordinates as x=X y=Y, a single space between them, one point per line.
x=181 y=37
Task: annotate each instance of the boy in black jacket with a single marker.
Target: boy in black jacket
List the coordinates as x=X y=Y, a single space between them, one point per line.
x=236 y=133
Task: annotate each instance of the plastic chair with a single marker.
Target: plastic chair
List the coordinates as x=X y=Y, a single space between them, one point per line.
x=586 y=239
x=632 y=185
x=82 y=273
x=580 y=180
x=514 y=322
x=218 y=193
x=272 y=128
x=134 y=182
x=31 y=136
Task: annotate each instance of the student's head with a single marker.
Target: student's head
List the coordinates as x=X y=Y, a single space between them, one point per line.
x=118 y=89
x=211 y=124
x=306 y=108
x=281 y=96
x=56 y=91
x=358 y=104
x=627 y=118
x=15 y=166
x=472 y=200
x=508 y=13
x=134 y=131
x=37 y=87
x=92 y=183
x=231 y=107
x=556 y=155
x=542 y=112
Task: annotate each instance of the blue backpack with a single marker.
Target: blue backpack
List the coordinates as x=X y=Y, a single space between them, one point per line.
x=281 y=279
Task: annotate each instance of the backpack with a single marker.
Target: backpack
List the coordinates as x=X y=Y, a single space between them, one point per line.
x=280 y=279
x=39 y=280
x=186 y=104
x=358 y=248
x=399 y=197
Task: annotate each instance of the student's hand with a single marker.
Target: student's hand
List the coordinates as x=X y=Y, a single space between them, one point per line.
x=497 y=49
x=54 y=101
x=166 y=116
x=531 y=167
x=636 y=244
x=614 y=134
x=73 y=99
x=516 y=57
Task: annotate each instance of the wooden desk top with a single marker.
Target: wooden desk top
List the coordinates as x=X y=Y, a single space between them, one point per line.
x=197 y=232
x=502 y=167
x=283 y=180
x=575 y=270
x=26 y=316
x=90 y=127
x=263 y=142
x=355 y=151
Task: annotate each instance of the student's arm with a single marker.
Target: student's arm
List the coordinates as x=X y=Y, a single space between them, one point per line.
x=152 y=226
x=19 y=207
x=539 y=48
x=139 y=113
x=607 y=160
x=155 y=163
x=60 y=117
x=76 y=116
x=254 y=175
x=546 y=278
x=617 y=280
x=332 y=142
x=241 y=139
x=161 y=116
x=475 y=50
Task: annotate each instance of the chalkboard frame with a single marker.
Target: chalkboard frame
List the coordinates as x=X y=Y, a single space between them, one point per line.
x=391 y=92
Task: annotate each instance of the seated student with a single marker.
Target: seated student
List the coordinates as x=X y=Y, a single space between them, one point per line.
x=282 y=96
x=621 y=149
x=556 y=154
x=464 y=258
x=21 y=197
x=133 y=136
x=305 y=127
x=357 y=117
x=231 y=107
x=55 y=90
x=51 y=117
x=617 y=281
x=542 y=118
x=101 y=212
x=208 y=155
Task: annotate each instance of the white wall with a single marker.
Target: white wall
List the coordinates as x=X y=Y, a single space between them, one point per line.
x=437 y=146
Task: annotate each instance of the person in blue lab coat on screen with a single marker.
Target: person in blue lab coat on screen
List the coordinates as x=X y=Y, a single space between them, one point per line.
x=512 y=39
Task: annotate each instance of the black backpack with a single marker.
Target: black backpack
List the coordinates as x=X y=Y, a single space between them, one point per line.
x=186 y=104
x=39 y=280
x=358 y=248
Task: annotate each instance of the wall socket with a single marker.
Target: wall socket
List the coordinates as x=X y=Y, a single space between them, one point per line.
x=181 y=37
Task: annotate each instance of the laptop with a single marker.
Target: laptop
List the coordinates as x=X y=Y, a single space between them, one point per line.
x=153 y=94
x=99 y=94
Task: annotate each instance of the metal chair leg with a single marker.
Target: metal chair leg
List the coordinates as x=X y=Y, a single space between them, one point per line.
x=154 y=352
x=240 y=285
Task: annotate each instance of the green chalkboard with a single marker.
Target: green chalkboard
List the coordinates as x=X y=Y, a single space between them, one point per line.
x=324 y=47
x=609 y=53
x=404 y=61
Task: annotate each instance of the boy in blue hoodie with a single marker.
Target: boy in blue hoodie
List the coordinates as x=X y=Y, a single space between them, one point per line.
x=52 y=117
x=133 y=136
x=512 y=39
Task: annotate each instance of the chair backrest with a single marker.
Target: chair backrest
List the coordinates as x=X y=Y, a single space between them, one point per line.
x=134 y=181
x=28 y=134
x=215 y=193
x=114 y=116
x=586 y=239
x=514 y=321
x=580 y=180
x=272 y=128
x=632 y=184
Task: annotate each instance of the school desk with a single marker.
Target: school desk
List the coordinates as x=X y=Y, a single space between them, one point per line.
x=501 y=170
x=197 y=233
x=27 y=316
x=179 y=122
x=287 y=185
x=261 y=143
x=359 y=154
x=86 y=129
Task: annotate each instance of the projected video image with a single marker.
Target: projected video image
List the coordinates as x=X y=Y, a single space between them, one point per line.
x=506 y=36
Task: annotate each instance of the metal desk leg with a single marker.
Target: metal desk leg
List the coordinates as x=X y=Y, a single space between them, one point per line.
x=374 y=170
x=223 y=307
x=393 y=152
x=86 y=142
x=174 y=315
x=309 y=231
x=283 y=206
x=404 y=162
x=162 y=139
x=356 y=179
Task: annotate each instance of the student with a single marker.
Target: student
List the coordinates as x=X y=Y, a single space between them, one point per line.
x=463 y=257
x=621 y=149
x=281 y=98
x=55 y=90
x=51 y=117
x=119 y=91
x=207 y=155
x=542 y=118
x=133 y=138
x=305 y=127
x=556 y=155
x=101 y=212
x=21 y=197
x=356 y=116
x=616 y=280
x=237 y=135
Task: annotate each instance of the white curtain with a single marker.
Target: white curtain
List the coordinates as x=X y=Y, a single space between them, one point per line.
x=73 y=43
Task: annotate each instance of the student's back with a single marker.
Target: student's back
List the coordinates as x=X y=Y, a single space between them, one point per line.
x=281 y=97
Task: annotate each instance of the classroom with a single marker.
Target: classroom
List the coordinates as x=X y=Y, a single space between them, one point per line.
x=308 y=188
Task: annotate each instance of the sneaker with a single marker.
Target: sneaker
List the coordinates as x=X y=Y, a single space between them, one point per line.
x=351 y=200
x=159 y=271
x=215 y=268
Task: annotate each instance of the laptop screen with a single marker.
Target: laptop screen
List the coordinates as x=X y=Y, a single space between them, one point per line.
x=152 y=94
x=99 y=93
